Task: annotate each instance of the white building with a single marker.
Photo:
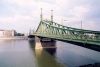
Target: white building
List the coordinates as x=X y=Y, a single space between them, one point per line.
x=7 y=33
x=1 y=33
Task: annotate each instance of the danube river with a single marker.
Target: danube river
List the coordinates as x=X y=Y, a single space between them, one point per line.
x=22 y=53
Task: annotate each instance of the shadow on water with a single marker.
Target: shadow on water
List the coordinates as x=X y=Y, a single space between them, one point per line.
x=32 y=44
x=51 y=51
x=44 y=57
x=89 y=46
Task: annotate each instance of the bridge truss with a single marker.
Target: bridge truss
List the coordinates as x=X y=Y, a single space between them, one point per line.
x=57 y=31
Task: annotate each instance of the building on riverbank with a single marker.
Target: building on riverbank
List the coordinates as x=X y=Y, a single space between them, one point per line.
x=7 y=33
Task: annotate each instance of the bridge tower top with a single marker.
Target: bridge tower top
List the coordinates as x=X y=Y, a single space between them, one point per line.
x=41 y=16
x=51 y=16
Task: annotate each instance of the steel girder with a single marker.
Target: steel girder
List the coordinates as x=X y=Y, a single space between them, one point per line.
x=58 y=31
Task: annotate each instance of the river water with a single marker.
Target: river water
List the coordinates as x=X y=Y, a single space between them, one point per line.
x=22 y=53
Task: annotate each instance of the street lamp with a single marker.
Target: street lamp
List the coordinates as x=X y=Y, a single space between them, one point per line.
x=62 y=21
x=81 y=24
x=62 y=26
x=51 y=15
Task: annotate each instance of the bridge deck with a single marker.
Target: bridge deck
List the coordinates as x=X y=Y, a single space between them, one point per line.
x=60 y=32
x=73 y=40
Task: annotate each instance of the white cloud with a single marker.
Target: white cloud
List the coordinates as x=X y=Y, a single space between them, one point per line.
x=14 y=19
x=27 y=13
x=79 y=11
x=22 y=3
x=7 y=19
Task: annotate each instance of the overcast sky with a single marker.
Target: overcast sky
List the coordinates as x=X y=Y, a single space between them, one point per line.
x=21 y=15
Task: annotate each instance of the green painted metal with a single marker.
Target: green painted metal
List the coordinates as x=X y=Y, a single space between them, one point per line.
x=57 y=31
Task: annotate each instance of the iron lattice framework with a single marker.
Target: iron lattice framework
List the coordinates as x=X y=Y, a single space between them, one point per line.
x=57 y=31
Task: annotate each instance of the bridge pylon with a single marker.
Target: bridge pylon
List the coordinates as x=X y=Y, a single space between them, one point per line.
x=42 y=42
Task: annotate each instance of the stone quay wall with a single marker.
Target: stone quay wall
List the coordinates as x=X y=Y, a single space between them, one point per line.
x=15 y=37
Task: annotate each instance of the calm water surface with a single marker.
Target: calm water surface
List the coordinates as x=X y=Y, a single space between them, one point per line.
x=22 y=53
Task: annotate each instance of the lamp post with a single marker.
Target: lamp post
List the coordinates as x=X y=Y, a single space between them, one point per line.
x=51 y=15
x=81 y=30
x=62 y=25
x=62 y=21
x=81 y=24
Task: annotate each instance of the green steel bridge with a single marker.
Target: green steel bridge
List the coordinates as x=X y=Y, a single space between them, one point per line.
x=57 y=31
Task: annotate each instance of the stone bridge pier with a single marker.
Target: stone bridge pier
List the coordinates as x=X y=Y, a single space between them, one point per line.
x=42 y=42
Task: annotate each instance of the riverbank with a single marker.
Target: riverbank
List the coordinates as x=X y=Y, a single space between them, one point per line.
x=15 y=37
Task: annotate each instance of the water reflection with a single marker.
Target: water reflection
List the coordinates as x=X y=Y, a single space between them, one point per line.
x=16 y=53
x=73 y=55
x=51 y=51
x=22 y=53
x=44 y=59
x=32 y=45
